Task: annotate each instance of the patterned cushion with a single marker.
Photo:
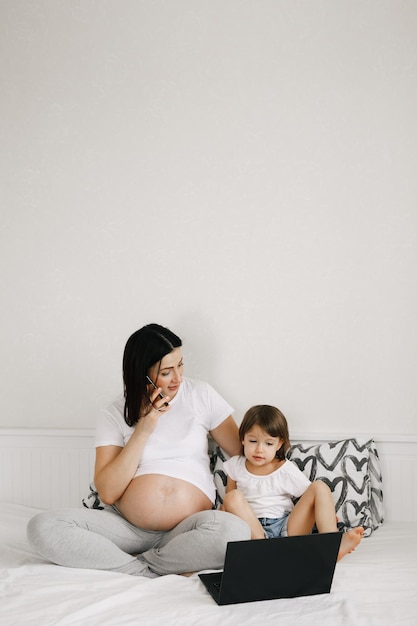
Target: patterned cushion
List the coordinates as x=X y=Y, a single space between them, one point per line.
x=350 y=467
x=92 y=501
x=377 y=497
x=217 y=457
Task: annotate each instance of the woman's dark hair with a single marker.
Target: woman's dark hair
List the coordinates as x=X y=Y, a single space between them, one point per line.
x=271 y=420
x=143 y=349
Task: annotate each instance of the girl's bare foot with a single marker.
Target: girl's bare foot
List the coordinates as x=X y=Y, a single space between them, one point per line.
x=349 y=541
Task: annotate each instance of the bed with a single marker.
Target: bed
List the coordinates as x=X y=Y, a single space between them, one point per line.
x=376 y=584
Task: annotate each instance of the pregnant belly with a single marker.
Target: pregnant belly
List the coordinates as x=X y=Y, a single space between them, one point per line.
x=157 y=502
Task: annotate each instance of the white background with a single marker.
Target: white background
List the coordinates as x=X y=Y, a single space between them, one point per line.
x=242 y=171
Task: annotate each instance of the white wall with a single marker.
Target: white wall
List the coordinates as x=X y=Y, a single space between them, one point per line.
x=243 y=172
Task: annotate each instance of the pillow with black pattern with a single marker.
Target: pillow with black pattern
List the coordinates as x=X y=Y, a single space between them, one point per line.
x=377 y=496
x=217 y=458
x=92 y=501
x=350 y=467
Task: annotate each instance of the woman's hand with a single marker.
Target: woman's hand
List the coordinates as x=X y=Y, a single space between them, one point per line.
x=115 y=466
x=158 y=404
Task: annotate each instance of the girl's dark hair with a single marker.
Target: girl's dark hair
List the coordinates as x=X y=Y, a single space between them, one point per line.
x=143 y=349
x=271 y=420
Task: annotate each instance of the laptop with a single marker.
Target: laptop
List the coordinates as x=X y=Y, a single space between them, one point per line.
x=267 y=569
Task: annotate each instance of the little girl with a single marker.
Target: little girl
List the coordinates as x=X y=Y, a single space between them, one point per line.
x=262 y=484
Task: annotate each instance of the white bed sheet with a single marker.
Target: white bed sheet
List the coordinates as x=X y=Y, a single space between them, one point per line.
x=375 y=585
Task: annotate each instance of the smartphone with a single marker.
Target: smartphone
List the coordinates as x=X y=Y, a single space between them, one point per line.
x=154 y=386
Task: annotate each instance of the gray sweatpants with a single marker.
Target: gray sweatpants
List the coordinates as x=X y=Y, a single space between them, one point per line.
x=103 y=539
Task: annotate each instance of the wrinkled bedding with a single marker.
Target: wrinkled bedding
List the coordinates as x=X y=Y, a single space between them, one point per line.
x=375 y=585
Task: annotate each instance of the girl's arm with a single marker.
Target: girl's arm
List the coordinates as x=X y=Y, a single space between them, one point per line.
x=227 y=436
x=231 y=484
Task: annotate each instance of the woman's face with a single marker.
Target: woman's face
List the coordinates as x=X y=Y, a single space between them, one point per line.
x=168 y=376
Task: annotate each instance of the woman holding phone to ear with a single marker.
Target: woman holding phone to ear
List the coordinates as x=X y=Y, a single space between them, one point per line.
x=152 y=472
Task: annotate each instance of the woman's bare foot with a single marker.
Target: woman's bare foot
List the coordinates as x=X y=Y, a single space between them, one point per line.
x=349 y=541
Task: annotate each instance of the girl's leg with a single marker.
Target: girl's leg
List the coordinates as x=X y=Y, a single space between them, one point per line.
x=234 y=502
x=316 y=506
x=91 y=539
x=199 y=542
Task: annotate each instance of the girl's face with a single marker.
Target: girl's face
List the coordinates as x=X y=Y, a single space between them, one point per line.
x=260 y=448
x=168 y=376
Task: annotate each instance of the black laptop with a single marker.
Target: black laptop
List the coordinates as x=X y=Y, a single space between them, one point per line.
x=267 y=569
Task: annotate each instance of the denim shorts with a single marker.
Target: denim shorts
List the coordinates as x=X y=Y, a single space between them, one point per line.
x=275 y=527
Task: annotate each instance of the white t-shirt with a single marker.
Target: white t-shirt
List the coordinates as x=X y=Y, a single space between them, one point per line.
x=178 y=445
x=271 y=495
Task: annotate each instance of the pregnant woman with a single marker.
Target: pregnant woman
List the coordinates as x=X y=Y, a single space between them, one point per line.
x=152 y=472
